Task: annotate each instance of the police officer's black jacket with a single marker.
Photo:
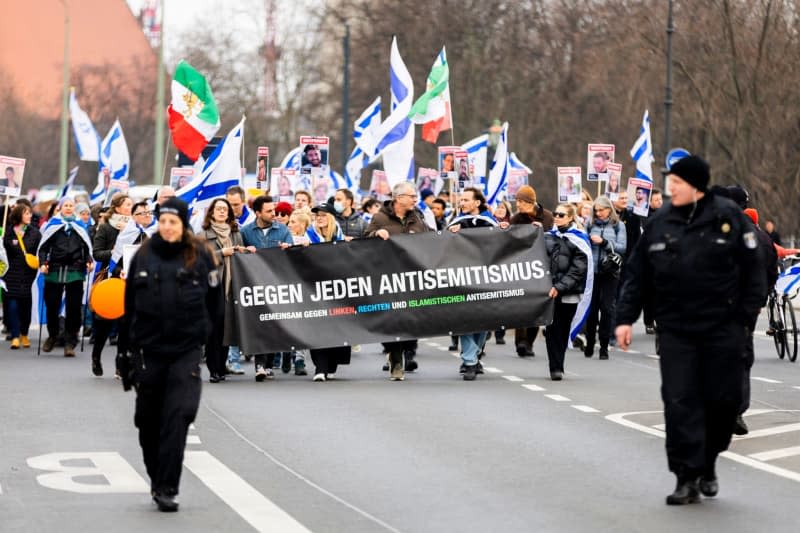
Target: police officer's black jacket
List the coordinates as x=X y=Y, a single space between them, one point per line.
x=167 y=302
x=702 y=265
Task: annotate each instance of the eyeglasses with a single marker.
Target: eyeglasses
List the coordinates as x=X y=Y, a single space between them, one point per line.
x=558 y=214
x=140 y=213
x=222 y=207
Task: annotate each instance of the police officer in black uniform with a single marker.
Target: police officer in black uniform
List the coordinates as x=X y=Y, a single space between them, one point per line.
x=167 y=310
x=700 y=259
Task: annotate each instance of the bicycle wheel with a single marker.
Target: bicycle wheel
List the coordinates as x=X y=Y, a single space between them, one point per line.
x=776 y=323
x=790 y=330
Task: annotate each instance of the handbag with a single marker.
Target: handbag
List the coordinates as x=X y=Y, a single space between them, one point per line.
x=31 y=260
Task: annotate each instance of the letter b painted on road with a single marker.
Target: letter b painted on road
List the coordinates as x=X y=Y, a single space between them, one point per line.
x=119 y=475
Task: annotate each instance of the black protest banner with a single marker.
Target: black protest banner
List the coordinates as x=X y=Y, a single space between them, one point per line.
x=407 y=287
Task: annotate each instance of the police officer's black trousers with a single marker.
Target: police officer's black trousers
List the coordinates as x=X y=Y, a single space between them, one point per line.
x=702 y=391
x=602 y=312
x=556 y=335
x=167 y=397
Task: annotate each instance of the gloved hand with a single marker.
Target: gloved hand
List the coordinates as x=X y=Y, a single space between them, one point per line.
x=125 y=367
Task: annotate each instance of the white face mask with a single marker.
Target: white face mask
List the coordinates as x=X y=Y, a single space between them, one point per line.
x=338 y=206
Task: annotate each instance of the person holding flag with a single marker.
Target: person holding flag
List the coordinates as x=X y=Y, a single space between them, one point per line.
x=570 y=254
x=65 y=256
x=108 y=230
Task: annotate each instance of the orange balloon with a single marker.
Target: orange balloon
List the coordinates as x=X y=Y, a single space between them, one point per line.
x=108 y=298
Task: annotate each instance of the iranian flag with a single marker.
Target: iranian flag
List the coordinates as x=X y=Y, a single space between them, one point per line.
x=193 y=115
x=432 y=109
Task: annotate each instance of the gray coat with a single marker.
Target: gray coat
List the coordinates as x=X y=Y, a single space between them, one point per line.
x=229 y=337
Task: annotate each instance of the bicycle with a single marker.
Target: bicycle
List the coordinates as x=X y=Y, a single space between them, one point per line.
x=782 y=320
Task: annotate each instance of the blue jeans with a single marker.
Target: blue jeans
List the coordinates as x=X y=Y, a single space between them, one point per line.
x=233 y=354
x=19 y=316
x=471 y=346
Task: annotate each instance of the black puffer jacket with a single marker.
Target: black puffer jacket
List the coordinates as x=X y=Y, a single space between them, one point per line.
x=568 y=265
x=20 y=276
x=104 y=240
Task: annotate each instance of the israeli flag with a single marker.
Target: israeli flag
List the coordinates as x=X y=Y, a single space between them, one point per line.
x=497 y=183
x=478 y=149
x=642 y=151
x=788 y=282
x=514 y=162
x=338 y=181
x=292 y=159
x=69 y=183
x=247 y=217
x=395 y=136
x=128 y=235
x=579 y=238
x=86 y=138
x=114 y=156
x=364 y=131
x=221 y=170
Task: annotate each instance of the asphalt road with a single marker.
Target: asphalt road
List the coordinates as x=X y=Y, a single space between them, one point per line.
x=512 y=451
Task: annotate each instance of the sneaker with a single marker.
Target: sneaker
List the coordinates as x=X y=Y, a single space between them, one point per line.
x=470 y=372
x=579 y=341
x=234 y=368
x=300 y=368
x=69 y=350
x=479 y=368
x=15 y=343
x=48 y=345
x=261 y=373
x=26 y=342
x=286 y=363
x=330 y=377
x=319 y=377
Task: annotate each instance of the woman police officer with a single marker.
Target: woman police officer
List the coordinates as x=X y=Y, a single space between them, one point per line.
x=167 y=309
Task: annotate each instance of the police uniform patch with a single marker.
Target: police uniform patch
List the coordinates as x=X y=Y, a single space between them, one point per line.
x=750 y=240
x=725 y=228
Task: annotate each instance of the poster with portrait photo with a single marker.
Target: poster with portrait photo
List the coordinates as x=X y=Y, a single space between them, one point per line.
x=569 y=184
x=429 y=178
x=259 y=183
x=180 y=177
x=463 y=170
x=322 y=188
x=314 y=155
x=11 y=179
x=379 y=186
x=639 y=191
x=517 y=177
x=447 y=161
x=284 y=184
x=598 y=156
x=614 y=181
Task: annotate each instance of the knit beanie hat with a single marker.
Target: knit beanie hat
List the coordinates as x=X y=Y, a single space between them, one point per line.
x=526 y=194
x=177 y=207
x=693 y=170
x=283 y=208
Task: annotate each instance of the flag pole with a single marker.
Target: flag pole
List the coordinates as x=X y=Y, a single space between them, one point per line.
x=164 y=159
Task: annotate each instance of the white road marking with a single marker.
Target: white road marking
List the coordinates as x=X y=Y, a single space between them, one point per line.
x=443 y=348
x=534 y=388
x=512 y=378
x=776 y=454
x=653 y=356
x=300 y=476
x=492 y=370
x=254 y=507
x=753 y=412
x=585 y=409
x=620 y=418
x=434 y=344
x=557 y=398
x=798 y=388
x=192 y=439
x=765 y=380
x=662 y=427
x=633 y=351
x=777 y=430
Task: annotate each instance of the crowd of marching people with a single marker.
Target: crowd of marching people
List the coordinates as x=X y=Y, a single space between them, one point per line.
x=697 y=268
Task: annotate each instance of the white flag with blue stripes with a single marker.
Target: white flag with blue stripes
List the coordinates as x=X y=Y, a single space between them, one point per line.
x=69 y=183
x=364 y=131
x=395 y=136
x=292 y=159
x=87 y=140
x=114 y=156
x=222 y=169
x=478 y=149
x=497 y=183
x=642 y=151
x=514 y=162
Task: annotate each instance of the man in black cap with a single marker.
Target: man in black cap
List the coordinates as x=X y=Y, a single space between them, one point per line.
x=699 y=258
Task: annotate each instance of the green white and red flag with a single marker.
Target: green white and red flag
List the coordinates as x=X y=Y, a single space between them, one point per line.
x=432 y=109
x=193 y=114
